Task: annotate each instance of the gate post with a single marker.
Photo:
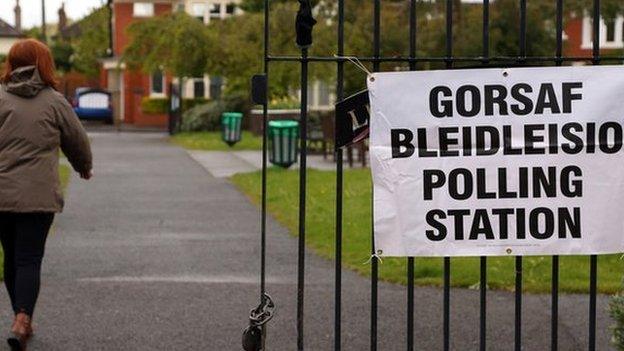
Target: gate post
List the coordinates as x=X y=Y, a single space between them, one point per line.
x=174 y=108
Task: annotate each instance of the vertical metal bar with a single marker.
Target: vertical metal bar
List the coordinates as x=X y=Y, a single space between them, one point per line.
x=410 y=260
x=410 y=303
x=265 y=113
x=593 y=259
x=447 y=260
x=302 y=196
x=559 y=20
x=483 y=304
x=449 y=33
x=483 y=261
x=339 y=188
x=374 y=278
x=523 y=24
x=446 y=303
x=554 y=289
x=264 y=149
x=593 y=273
x=518 y=288
x=596 y=36
x=486 y=31
x=374 y=262
x=518 y=309
x=554 y=314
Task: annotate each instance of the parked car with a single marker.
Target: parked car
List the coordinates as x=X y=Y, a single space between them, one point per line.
x=93 y=104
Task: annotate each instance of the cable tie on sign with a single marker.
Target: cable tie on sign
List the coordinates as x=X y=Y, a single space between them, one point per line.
x=355 y=61
x=370 y=259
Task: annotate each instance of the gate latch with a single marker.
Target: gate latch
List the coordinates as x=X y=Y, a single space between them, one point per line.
x=304 y=24
x=259 y=316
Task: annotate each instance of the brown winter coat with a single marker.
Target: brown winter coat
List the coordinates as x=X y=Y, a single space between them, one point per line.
x=35 y=121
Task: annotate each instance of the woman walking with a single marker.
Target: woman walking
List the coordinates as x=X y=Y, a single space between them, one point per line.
x=35 y=122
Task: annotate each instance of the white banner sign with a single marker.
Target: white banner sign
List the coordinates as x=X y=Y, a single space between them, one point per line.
x=523 y=161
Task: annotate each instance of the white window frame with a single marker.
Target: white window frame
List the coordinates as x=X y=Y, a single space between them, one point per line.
x=204 y=12
x=215 y=15
x=588 y=40
x=164 y=86
x=206 y=87
x=235 y=5
x=143 y=9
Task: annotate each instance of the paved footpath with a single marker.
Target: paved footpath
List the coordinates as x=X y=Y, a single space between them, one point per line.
x=156 y=254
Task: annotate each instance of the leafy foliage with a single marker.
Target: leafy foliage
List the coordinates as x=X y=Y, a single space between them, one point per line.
x=176 y=43
x=207 y=117
x=62 y=53
x=233 y=48
x=617 y=313
x=154 y=106
x=93 y=42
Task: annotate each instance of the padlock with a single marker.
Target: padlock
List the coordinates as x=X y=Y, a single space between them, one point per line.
x=252 y=338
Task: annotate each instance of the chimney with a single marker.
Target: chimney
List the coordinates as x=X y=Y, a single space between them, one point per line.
x=18 y=16
x=62 y=15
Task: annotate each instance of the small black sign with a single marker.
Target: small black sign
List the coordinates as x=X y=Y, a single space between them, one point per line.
x=352 y=119
x=259 y=89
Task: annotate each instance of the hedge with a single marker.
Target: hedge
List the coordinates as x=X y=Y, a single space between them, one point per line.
x=158 y=106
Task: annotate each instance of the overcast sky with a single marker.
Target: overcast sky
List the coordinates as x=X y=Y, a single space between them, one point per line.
x=31 y=10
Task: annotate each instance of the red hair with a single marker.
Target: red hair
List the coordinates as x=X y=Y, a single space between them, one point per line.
x=31 y=52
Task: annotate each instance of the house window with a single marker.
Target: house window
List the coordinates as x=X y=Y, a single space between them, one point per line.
x=199 y=88
x=181 y=8
x=143 y=9
x=199 y=10
x=610 y=35
x=323 y=97
x=230 y=8
x=215 y=11
x=157 y=83
x=216 y=84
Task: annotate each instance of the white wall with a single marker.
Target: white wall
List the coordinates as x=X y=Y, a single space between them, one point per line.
x=5 y=45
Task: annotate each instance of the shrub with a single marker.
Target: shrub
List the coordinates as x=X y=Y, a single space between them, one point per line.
x=284 y=103
x=616 y=310
x=203 y=117
x=188 y=104
x=207 y=117
x=155 y=106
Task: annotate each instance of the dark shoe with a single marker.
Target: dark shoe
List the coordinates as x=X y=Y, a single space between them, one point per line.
x=15 y=344
x=22 y=331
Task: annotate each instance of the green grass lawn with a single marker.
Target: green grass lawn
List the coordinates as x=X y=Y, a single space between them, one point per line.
x=64 y=173
x=212 y=141
x=283 y=205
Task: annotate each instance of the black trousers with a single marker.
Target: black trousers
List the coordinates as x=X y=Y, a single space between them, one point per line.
x=23 y=237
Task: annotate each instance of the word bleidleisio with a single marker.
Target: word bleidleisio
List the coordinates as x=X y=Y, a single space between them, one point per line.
x=520 y=99
x=538 y=139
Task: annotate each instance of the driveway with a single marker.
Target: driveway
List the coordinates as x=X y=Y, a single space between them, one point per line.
x=157 y=254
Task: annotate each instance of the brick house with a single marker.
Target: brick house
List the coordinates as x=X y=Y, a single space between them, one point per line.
x=131 y=87
x=134 y=86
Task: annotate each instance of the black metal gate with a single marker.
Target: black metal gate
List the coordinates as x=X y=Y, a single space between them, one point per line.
x=449 y=60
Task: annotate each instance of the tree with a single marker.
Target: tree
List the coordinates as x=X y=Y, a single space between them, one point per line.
x=176 y=43
x=239 y=54
x=92 y=43
x=233 y=48
x=62 y=53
